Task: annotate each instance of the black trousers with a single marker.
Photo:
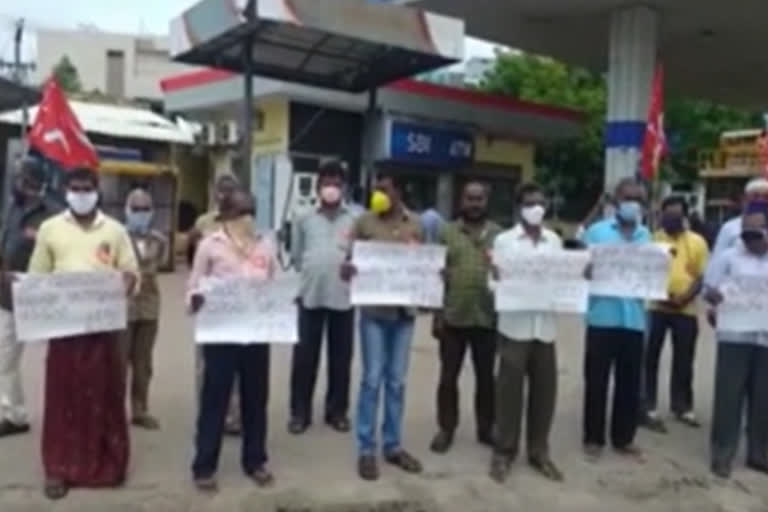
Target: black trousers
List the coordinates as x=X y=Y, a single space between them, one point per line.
x=741 y=378
x=620 y=350
x=221 y=363
x=684 y=330
x=313 y=323
x=453 y=345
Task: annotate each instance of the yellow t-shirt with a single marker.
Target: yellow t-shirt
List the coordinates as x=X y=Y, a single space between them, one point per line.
x=689 y=262
x=64 y=245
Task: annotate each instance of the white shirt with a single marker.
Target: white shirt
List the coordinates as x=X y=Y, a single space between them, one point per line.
x=738 y=261
x=729 y=234
x=523 y=325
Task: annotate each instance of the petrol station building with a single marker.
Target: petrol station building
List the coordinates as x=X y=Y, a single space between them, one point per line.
x=333 y=83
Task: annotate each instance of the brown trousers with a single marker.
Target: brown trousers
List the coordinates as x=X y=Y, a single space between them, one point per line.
x=136 y=345
x=536 y=361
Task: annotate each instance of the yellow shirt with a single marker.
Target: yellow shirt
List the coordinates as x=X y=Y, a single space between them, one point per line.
x=689 y=261
x=64 y=245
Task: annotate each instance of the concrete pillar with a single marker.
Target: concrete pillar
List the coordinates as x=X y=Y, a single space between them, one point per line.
x=633 y=45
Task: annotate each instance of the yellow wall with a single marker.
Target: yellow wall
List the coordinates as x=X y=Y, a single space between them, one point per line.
x=273 y=137
x=499 y=151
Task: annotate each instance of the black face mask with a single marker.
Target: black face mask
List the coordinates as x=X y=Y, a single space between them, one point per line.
x=752 y=236
x=672 y=224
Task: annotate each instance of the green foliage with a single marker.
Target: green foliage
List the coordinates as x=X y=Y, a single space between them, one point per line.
x=573 y=169
x=67 y=76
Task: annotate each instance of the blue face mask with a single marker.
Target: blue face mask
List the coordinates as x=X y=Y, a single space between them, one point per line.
x=629 y=211
x=138 y=222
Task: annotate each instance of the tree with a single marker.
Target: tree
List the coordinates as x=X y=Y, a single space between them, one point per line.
x=67 y=76
x=573 y=168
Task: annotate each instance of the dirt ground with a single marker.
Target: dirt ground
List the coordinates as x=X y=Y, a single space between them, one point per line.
x=316 y=472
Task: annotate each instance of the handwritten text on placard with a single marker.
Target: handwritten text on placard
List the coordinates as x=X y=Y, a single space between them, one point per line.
x=745 y=304
x=245 y=311
x=630 y=270
x=68 y=304
x=392 y=274
x=542 y=281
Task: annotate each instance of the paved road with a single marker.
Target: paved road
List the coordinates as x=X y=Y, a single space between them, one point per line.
x=316 y=472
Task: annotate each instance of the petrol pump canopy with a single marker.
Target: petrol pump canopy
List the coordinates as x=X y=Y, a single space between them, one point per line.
x=349 y=45
x=13 y=95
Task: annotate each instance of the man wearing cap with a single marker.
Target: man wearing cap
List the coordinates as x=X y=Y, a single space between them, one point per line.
x=730 y=232
x=26 y=212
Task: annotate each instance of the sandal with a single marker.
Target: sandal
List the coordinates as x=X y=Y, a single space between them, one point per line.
x=338 y=423
x=631 y=451
x=8 y=428
x=263 y=478
x=207 y=484
x=297 y=426
x=55 y=490
x=404 y=461
x=547 y=469
x=689 y=419
x=368 y=468
x=500 y=467
x=146 y=422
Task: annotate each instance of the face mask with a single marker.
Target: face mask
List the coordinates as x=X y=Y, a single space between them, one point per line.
x=138 y=222
x=330 y=194
x=672 y=224
x=533 y=215
x=629 y=211
x=82 y=203
x=752 y=235
x=380 y=202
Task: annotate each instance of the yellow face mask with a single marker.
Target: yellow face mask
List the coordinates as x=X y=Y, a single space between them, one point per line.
x=380 y=202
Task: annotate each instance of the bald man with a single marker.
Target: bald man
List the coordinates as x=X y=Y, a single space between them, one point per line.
x=138 y=339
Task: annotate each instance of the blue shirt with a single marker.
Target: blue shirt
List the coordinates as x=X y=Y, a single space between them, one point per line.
x=615 y=312
x=431 y=222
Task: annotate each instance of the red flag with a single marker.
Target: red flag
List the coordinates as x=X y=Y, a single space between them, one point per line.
x=57 y=133
x=655 y=142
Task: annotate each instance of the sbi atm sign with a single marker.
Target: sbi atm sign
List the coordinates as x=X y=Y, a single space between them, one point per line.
x=420 y=144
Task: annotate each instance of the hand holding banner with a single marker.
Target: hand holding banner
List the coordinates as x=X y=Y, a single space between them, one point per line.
x=630 y=270
x=68 y=304
x=397 y=274
x=542 y=281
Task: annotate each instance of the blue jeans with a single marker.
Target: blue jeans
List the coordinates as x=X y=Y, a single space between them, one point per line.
x=386 y=352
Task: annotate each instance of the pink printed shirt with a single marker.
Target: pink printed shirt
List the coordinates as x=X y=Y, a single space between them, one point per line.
x=217 y=256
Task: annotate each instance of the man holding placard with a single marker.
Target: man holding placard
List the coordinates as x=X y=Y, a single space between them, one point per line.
x=526 y=352
x=236 y=251
x=467 y=320
x=737 y=285
x=678 y=315
x=614 y=338
x=85 y=433
x=321 y=242
x=386 y=333
x=756 y=190
x=27 y=210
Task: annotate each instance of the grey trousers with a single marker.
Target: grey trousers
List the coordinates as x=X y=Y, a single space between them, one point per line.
x=741 y=377
x=534 y=362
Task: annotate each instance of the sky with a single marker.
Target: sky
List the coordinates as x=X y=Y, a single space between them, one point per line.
x=127 y=16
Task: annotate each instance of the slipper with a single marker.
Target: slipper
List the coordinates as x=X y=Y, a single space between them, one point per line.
x=263 y=478
x=8 y=428
x=689 y=419
x=207 y=484
x=55 y=490
x=404 y=461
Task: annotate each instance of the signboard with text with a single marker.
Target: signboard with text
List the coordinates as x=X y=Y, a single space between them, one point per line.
x=428 y=145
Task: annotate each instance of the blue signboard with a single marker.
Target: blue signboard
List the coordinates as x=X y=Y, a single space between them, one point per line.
x=428 y=145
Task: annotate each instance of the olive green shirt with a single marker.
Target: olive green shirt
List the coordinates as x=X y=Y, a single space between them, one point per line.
x=404 y=228
x=468 y=301
x=150 y=250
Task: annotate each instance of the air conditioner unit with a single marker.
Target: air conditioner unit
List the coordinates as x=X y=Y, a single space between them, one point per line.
x=228 y=133
x=208 y=134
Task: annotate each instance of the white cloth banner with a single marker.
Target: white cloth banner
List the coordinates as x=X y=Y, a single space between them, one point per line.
x=630 y=270
x=238 y=310
x=542 y=281
x=396 y=274
x=745 y=304
x=68 y=304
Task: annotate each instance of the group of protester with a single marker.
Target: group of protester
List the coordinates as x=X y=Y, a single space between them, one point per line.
x=85 y=434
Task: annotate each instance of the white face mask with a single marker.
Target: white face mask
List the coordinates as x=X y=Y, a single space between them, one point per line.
x=82 y=203
x=533 y=215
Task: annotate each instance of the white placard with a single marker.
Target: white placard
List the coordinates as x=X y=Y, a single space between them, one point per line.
x=745 y=304
x=244 y=311
x=638 y=271
x=397 y=274
x=542 y=281
x=66 y=304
